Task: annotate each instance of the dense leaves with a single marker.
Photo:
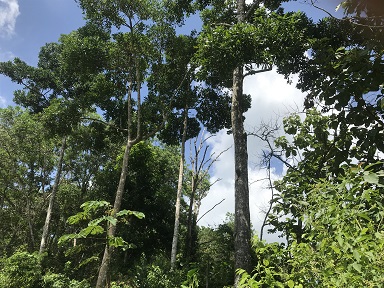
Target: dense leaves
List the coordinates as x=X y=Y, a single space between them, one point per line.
x=344 y=242
x=126 y=76
x=269 y=38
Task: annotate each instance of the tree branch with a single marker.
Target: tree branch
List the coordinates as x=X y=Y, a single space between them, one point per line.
x=210 y=210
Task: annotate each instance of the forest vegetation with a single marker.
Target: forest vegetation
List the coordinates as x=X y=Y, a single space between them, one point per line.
x=96 y=187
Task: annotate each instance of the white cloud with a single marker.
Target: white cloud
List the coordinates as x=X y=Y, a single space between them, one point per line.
x=6 y=55
x=272 y=99
x=3 y=102
x=9 y=10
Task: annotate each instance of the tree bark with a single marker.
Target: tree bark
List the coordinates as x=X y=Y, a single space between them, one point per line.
x=104 y=268
x=190 y=247
x=242 y=214
x=52 y=199
x=179 y=189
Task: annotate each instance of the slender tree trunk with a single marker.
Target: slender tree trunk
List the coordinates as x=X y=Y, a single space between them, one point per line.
x=191 y=221
x=30 y=226
x=103 y=271
x=193 y=211
x=179 y=189
x=242 y=214
x=52 y=199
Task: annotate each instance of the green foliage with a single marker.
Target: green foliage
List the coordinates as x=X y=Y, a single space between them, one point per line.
x=323 y=145
x=21 y=270
x=51 y=280
x=155 y=272
x=215 y=254
x=95 y=225
x=269 y=38
x=344 y=242
x=27 y=163
x=192 y=279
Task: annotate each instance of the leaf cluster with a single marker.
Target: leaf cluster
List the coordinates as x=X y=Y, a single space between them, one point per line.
x=269 y=38
x=95 y=226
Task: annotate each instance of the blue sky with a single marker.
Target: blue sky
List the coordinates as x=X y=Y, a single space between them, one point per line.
x=27 y=25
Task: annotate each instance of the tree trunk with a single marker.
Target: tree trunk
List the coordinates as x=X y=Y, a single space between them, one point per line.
x=52 y=199
x=190 y=245
x=179 y=189
x=242 y=214
x=103 y=271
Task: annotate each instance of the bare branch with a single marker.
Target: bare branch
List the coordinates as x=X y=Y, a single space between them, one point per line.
x=270 y=202
x=214 y=206
x=349 y=19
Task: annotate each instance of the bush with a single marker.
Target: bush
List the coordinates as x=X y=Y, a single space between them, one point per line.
x=52 y=280
x=22 y=269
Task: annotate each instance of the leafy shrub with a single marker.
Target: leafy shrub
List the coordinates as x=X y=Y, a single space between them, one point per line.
x=156 y=273
x=52 y=280
x=22 y=269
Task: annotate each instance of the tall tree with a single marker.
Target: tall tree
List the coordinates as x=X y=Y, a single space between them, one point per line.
x=199 y=182
x=52 y=198
x=336 y=151
x=343 y=78
x=27 y=165
x=179 y=190
x=242 y=213
x=137 y=54
x=239 y=40
x=49 y=90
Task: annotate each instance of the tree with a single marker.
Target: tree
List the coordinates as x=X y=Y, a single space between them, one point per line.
x=239 y=40
x=49 y=90
x=344 y=73
x=199 y=182
x=342 y=78
x=335 y=251
x=28 y=162
x=179 y=191
x=53 y=197
x=215 y=254
x=135 y=54
x=324 y=188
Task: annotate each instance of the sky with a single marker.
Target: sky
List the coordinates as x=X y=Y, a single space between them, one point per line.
x=25 y=26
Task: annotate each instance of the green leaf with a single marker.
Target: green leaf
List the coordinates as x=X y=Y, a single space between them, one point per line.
x=118 y=242
x=370 y=177
x=290 y=283
x=357 y=255
x=111 y=220
x=139 y=215
x=365 y=216
x=76 y=218
x=125 y=212
x=96 y=222
x=357 y=267
x=66 y=238
x=93 y=205
x=336 y=249
x=90 y=230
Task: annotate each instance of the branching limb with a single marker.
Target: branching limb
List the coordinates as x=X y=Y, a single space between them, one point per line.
x=349 y=19
x=214 y=206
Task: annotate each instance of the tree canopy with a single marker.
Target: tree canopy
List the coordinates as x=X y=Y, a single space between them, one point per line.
x=91 y=152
